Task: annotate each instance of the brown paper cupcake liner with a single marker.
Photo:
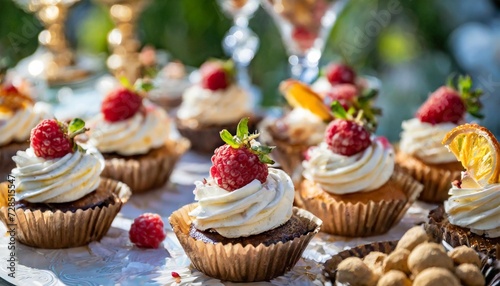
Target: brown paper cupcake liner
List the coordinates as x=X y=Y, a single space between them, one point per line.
x=205 y=139
x=59 y=229
x=365 y=219
x=489 y=268
x=436 y=180
x=233 y=262
x=149 y=171
x=456 y=236
x=6 y=154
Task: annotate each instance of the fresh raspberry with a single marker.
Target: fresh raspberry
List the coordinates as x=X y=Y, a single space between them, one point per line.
x=340 y=73
x=147 y=231
x=444 y=105
x=241 y=160
x=346 y=137
x=303 y=37
x=234 y=168
x=49 y=140
x=10 y=89
x=214 y=76
x=120 y=104
x=345 y=93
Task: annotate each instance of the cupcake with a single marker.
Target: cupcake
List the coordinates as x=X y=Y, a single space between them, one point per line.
x=351 y=183
x=134 y=137
x=171 y=81
x=60 y=199
x=420 y=150
x=18 y=115
x=304 y=126
x=470 y=216
x=244 y=215
x=217 y=102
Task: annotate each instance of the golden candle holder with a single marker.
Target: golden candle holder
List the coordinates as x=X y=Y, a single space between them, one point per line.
x=59 y=60
x=124 y=60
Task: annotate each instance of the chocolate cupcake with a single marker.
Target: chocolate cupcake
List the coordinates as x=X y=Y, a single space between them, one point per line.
x=470 y=215
x=216 y=102
x=61 y=200
x=134 y=137
x=244 y=216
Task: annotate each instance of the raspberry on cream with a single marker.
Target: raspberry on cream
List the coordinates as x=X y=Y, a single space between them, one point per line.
x=362 y=172
x=475 y=207
x=59 y=180
x=423 y=140
x=253 y=209
x=136 y=135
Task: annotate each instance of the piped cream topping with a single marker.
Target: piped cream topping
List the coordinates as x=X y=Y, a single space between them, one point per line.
x=252 y=209
x=215 y=107
x=423 y=140
x=475 y=207
x=134 y=136
x=60 y=180
x=303 y=127
x=362 y=172
x=16 y=126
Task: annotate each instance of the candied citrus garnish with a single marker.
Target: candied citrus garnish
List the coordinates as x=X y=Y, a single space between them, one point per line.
x=478 y=150
x=13 y=100
x=299 y=94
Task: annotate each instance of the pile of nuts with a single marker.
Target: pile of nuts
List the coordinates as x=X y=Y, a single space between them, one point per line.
x=415 y=261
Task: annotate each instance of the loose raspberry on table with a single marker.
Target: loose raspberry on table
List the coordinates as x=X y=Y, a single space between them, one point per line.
x=120 y=104
x=346 y=137
x=147 y=231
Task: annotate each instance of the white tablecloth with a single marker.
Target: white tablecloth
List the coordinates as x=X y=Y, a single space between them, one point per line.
x=114 y=260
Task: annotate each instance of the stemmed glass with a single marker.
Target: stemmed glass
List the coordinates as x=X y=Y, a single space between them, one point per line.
x=304 y=26
x=240 y=42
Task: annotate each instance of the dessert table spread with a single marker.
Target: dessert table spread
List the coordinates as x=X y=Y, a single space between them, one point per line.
x=116 y=261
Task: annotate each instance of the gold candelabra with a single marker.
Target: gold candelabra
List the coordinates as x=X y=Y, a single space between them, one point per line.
x=124 y=60
x=58 y=57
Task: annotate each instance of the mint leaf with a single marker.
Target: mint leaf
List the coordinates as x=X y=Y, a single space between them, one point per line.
x=338 y=110
x=125 y=82
x=228 y=139
x=242 y=129
x=76 y=125
x=145 y=86
x=265 y=159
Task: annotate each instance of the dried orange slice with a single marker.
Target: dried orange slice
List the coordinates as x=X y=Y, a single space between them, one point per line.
x=299 y=94
x=478 y=150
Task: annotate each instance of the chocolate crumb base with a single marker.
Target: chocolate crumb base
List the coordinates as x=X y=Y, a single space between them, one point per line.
x=99 y=198
x=294 y=227
x=457 y=236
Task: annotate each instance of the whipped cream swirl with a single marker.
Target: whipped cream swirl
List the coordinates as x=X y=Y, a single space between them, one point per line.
x=362 y=172
x=423 y=140
x=252 y=209
x=215 y=107
x=476 y=208
x=134 y=136
x=302 y=126
x=16 y=126
x=60 y=180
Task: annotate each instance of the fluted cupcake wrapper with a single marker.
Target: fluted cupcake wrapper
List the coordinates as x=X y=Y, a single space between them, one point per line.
x=365 y=219
x=59 y=229
x=233 y=262
x=436 y=181
x=489 y=268
x=6 y=154
x=147 y=172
